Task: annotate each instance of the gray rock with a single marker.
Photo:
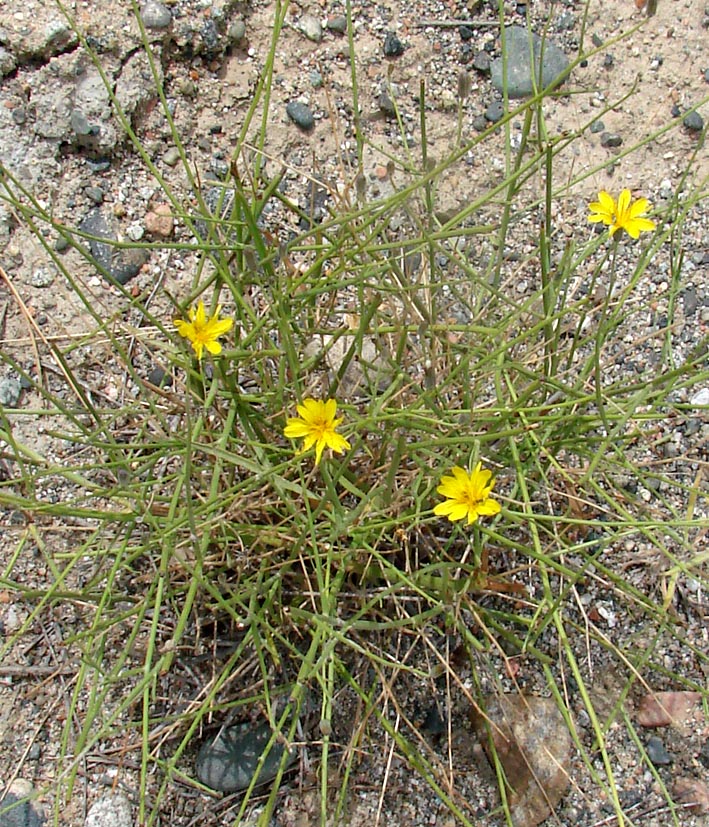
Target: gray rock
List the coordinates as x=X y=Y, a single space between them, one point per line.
x=42 y=277
x=494 y=112
x=172 y=156
x=481 y=62
x=155 y=15
x=657 y=753
x=112 y=810
x=10 y=390
x=549 y=62
x=566 y=21
x=95 y=194
x=229 y=762
x=16 y=809
x=610 y=140
x=480 y=123
x=393 y=47
x=211 y=42
x=693 y=121
x=338 y=23
x=301 y=115
x=91 y=116
x=597 y=126
x=310 y=26
x=237 y=30
x=119 y=264
x=386 y=105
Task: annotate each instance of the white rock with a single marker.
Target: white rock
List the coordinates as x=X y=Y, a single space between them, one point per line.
x=110 y=811
x=700 y=398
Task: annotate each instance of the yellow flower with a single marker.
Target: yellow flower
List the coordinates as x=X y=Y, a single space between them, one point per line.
x=316 y=426
x=468 y=495
x=204 y=332
x=622 y=215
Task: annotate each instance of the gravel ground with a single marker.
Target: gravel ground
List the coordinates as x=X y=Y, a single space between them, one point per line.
x=59 y=140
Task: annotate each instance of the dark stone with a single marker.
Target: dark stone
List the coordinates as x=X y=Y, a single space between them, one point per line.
x=675 y=111
x=337 y=23
x=608 y=61
x=597 y=126
x=597 y=40
x=583 y=64
x=229 y=762
x=393 y=47
x=693 y=121
x=119 y=264
x=465 y=32
x=22 y=815
x=495 y=112
x=657 y=753
x=481 y=62
x=301 y=115
x=160 y=378
x=610 y=140
x=706 y=75
x=19 y=115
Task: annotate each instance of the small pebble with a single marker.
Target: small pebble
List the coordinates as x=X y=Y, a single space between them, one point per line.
x=172 y=156
x=237 y=30
x=465 y=32
x=495 y=111
x=597 y=126
x=111 y=810
x=480 y=123
x=42 y=277
x=597 y=40
x=481 y=62
x=393 y=47
x=337 y=23
x=10 y=390
x=693 y=121
x=94 y=194
x=657 y=753
x=159 y=221
x=311 y=28
x=700 y=398
x=160 y=378
x=608 y=62
x=301 y=115
x=155 y=15
x=610 y=139
x=706 y=75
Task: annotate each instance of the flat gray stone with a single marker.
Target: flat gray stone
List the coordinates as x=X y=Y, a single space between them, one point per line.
x=520 y=81
x=228 y=762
